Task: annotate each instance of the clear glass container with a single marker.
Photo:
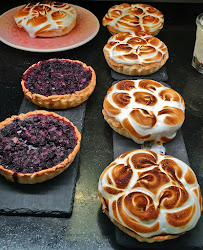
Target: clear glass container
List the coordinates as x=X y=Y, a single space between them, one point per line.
x=197 y=61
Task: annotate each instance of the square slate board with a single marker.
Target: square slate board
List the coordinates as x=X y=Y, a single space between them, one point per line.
x=160 y=75
x=189 y=240
x=52 y=198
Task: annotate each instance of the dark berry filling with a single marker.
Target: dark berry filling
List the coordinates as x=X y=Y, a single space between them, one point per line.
x=38 y=142
x=57 y=77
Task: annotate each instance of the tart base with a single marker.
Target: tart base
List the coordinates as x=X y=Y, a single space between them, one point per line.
x=115 y=31
x=136 y=69
x=152 y=239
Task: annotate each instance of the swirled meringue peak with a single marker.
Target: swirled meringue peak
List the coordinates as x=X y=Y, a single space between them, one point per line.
x=146 y=109
x=134 y=17
x=150 y=194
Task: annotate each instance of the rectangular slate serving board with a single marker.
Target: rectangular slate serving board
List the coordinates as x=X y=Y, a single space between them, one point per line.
x=52 y=198
x=160 y=75
x=190 y=240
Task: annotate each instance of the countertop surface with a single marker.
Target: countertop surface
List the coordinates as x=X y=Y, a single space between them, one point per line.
x=88 y=227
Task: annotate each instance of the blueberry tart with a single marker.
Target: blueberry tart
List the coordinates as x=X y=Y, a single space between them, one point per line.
x=58 y=83
x=36 y=146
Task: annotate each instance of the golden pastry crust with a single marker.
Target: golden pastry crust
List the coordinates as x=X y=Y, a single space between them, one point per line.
x=133 y=17
x=46 y=18
x=152 y=239
x=61 y=101
x=115 y=125
x=46 y=174
x=135 y=53
x=136 y=69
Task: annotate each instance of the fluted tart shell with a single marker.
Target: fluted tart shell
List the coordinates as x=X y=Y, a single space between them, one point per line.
x=58 y=101
x=45 y=174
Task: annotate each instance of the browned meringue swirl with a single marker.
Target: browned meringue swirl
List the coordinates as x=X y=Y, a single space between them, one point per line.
x=181 y=218
x=173 y=197
x=145 y=98
x=121 y=99
x=125 y=85
x=143 y=117
x=152 y=180
x=143 y=160
x=122 y=174
x=140 y=205
x=170 y=94
x=174 y=116
x=149 y=85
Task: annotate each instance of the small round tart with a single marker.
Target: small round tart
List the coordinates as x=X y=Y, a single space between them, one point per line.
x=37 y=146
x=134 y=17
x=46 y=19
x=58 y=83
x=144 y=110
x=135 y=53
x=150 y=196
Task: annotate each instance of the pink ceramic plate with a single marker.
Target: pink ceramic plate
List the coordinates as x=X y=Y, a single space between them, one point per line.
x=86 y=28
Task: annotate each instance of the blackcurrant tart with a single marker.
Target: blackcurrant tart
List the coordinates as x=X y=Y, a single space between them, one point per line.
x=37 y=146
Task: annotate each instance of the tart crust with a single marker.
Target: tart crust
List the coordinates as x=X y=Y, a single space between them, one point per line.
x=115 y=125
x=136 y=69
x=61 y=101
x=114 y=31
x=46 y=174
x=152 y=239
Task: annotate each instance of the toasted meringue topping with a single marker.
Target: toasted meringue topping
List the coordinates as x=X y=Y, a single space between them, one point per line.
x=135 y=48
x=135 y=17
x=151 y=193
x=44 y=16
x=146 y=109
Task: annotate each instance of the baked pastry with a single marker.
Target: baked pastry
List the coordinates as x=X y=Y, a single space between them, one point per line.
x=46 y=19
x=58 y=83
x=135 y=53
x=134 y=17
x=36 y=146
x=149 y=196
x=144 y=110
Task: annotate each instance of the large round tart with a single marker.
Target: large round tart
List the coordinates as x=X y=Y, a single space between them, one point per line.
x=37 y=146
x=58 y=83
x=151 y=197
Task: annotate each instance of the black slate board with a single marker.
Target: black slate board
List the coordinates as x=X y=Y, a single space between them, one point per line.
x=160 y=75
x=189 y=240
x=52 y=198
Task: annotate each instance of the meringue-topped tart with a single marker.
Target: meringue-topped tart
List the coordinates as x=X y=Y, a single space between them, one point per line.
x=46 y=18
x=144 y=110
x=133 y=17
x=58 y=83
x=149 y=196
x=37 y=146
x=135 y=53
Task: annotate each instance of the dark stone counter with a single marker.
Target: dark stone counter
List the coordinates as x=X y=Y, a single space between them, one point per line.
x=88 y=227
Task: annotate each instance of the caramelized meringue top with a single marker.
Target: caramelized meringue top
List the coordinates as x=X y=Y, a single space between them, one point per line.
x=44 y=16
x=135 y=48
x=135 y=17
x=146 y=109
x=151 y=194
